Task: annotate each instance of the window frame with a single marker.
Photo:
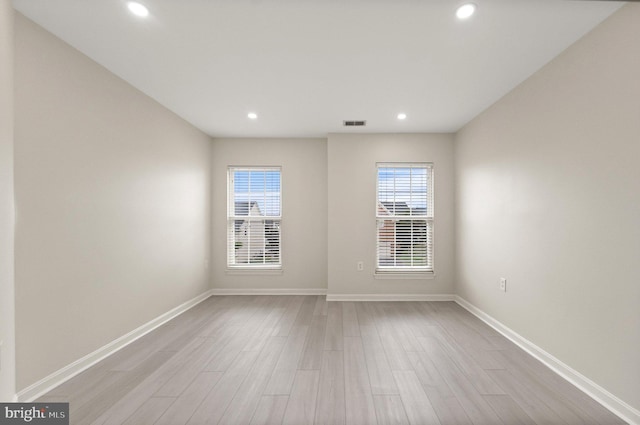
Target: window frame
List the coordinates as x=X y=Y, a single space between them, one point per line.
x=407 y=272
x=250 y=268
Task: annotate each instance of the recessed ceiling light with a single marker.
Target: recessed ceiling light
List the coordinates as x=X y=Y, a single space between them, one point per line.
x=252 y=116
x=402 y=116
x=465 y=11
x=138 y=9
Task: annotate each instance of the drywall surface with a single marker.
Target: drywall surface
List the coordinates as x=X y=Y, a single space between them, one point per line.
x=113 y=206
x=304 y=211
x=548 y=196
x=7 y=317
x=352 y=210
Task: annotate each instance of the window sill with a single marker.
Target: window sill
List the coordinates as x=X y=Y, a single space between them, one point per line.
x=396 y=275
x=257 y=271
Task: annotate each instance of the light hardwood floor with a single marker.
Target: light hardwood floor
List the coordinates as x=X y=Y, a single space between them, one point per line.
x=301 y=360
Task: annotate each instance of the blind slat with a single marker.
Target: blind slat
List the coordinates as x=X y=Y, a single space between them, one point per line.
x=254 y=217
x=404 y=215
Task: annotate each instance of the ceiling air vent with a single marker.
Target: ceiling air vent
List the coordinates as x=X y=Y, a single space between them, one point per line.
x=354 y=123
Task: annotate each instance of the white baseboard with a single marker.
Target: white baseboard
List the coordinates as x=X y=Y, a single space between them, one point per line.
x=48 y=383
x=271 y=291
x=593 y=390
x=390 y=297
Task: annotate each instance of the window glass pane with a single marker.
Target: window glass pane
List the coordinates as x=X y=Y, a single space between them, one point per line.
x=405 y=217
x=254 y=241
x=272 y=193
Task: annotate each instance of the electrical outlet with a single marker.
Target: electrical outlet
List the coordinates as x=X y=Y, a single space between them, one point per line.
x=360 y=266
x=503 y=284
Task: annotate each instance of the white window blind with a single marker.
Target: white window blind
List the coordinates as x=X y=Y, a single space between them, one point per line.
x=404 y=215
x=254 y=214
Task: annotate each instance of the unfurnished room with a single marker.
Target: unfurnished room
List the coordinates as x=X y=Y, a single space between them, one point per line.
x=319 y=212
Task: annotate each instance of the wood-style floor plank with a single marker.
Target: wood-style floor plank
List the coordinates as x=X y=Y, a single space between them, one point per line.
x=331 y=399
x=380 y=376
x=508 y=410
x=420 y=317
x=301 y=408
x=88 y=405
x=312 y=353
x=396 y=355
x=416 y=403
x=249 y=327
x=551 y=398
x=518 y=359
x=526 y=399
x=181 y=410
x=267 y=325
x=444 y=402
x=242 y=407
x=390 y=410
x=214 y=405
x=285 y=371
x=289 y=317
x=474 y=372
x=150 y=411
x=476 y=408
x=240 y=360
x=321 y=306
x=333 y=333
x=229 y=341
x=183 y=378
x=364 y=312
x=396 y=317
x=270 y=410
x=350 y=325
x=469 y=341
x=305 y=314
x=358 y=398
x=127 y=404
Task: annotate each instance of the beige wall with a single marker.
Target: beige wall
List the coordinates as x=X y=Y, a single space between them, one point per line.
x=113 y=206
x=548 y=196
x=352 y=207
x=329 y=210
x=304 y=210
x=7 y=322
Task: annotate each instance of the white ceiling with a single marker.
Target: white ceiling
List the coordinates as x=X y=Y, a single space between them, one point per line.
x=304 y=66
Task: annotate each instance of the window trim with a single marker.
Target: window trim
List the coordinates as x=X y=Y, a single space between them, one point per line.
x=251 y=269
x=395 y=272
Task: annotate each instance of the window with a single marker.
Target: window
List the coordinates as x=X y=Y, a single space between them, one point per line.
x=404 y=215
x=254 y=213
